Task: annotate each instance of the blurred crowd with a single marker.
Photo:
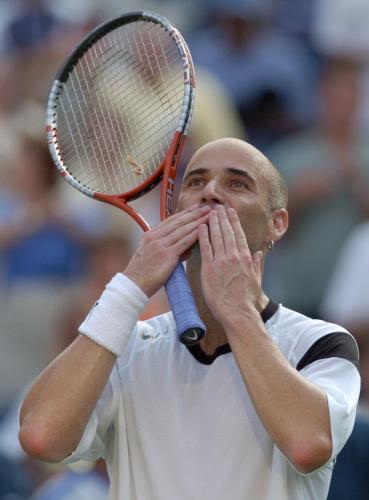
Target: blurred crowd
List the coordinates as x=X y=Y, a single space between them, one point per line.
x=291 y=77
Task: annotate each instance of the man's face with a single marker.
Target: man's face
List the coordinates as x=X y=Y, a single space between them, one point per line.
x=230 y=173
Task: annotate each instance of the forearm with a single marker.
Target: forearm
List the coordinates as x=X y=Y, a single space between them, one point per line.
x=60 y=402
x=57 y=408
x=293 y=410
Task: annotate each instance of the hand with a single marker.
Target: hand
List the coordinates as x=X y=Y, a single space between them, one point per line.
x=161 y=248
x=230 y=275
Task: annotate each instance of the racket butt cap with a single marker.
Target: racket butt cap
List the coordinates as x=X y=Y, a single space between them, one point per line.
x=192 y=336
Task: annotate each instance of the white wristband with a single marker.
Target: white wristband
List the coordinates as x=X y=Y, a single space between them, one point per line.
x=114 y=316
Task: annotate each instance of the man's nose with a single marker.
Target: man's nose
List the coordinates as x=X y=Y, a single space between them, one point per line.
x=212 y=194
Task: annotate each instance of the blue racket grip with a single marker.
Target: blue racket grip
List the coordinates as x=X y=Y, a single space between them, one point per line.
x=190 y=328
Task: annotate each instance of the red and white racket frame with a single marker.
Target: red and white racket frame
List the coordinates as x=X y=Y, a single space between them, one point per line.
x=166 y=171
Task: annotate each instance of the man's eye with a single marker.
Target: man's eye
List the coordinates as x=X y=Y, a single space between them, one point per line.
x=195 y=182
x=238 y=184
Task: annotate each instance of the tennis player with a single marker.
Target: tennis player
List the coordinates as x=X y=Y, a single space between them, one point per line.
x=258 y=410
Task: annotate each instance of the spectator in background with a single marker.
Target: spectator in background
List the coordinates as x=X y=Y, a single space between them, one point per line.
x=340 y=27
x=347 y=299
x=34 y=40
x=36 y=241
x=295 y=17
x=269 y=75
x=327 y=170
x=33 y=23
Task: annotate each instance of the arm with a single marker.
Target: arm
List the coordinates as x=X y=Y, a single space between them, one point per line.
x=293 y=410
x=57 y=408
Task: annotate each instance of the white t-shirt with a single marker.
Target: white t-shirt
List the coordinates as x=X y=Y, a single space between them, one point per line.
x=176 y=424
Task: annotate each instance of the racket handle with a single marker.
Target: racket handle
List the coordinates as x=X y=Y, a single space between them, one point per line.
x=190 y=328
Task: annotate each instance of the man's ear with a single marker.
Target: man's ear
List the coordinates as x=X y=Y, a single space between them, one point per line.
x=278 y=224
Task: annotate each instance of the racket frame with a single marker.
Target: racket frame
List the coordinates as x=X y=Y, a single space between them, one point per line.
x=166 y=171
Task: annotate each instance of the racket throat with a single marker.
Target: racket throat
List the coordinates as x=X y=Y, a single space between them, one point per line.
x=169 y=175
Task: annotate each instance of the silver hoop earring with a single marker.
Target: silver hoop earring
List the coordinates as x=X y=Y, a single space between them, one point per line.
x=271 y=245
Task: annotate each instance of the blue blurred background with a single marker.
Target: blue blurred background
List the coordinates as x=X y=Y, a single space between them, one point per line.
x=289 y=76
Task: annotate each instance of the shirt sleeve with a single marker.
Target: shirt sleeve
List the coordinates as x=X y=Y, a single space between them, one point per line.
x=340 y=380
x=93 y=443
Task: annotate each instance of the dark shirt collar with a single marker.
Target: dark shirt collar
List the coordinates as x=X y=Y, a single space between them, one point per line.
x=207 y=359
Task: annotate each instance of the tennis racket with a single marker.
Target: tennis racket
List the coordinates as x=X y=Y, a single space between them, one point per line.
x=117 y=117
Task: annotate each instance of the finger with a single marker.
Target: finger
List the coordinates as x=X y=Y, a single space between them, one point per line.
x=226 y=228
x=183 y=231
x=186 y=242
x=216 y=238
x=257 y=261
x=238 y=231
x=179 y=219
x=205 y=245
x=187 y=212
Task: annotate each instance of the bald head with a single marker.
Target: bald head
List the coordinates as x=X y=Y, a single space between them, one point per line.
x=272 y=180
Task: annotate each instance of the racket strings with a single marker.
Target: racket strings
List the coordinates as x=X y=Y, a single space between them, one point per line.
x=121 y=107
x=88 y=177
x=133 y=118
x=149 y=112
x=112 y=135
x=100 y=147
